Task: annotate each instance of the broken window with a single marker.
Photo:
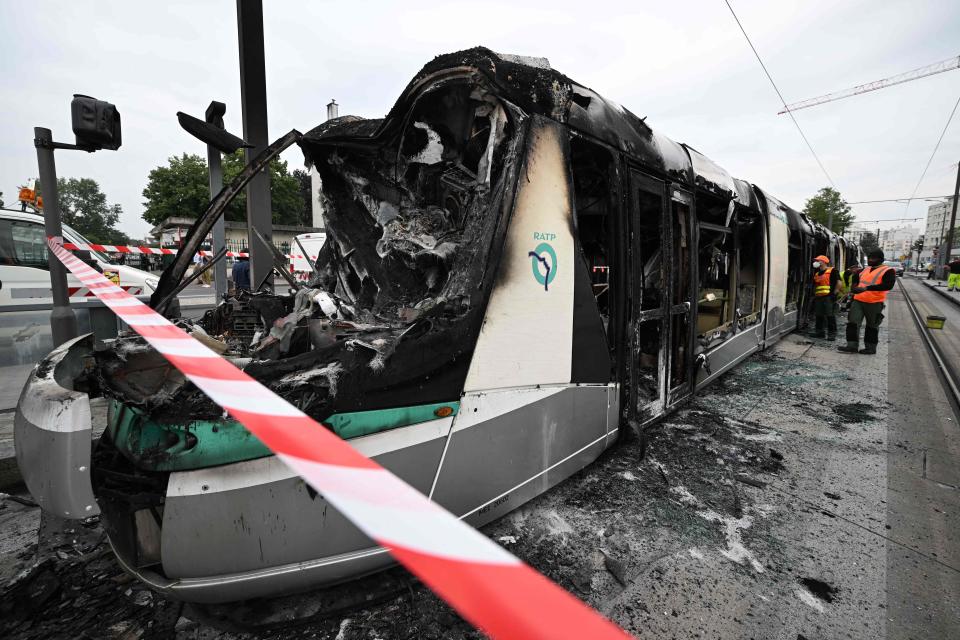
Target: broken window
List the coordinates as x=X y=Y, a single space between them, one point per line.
x=647 y=217
x=596 y=207
x=716 y=261
x=680 y=331
x=795 y=268
x=750 y=248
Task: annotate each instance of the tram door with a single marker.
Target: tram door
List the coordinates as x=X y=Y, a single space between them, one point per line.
x=660 y=217
x=681 y=285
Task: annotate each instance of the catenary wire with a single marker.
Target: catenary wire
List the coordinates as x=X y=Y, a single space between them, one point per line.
x=901 y=199
x=780 y=95
x=935 y=148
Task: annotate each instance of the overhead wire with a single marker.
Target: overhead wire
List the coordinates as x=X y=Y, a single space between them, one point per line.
x=780 y=95
x=935 y=148
x=915 y=197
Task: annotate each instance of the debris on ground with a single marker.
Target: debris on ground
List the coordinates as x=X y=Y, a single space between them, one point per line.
x=695 y=532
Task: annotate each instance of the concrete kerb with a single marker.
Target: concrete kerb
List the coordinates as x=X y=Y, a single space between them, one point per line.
x=955 y=299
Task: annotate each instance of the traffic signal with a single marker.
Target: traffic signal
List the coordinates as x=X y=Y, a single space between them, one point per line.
x=96 y=123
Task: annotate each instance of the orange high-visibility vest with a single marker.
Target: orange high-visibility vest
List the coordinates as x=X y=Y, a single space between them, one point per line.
x=821 y=283
x=869 y=277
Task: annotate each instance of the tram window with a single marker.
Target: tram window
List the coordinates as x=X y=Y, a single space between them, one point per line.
x=648 y=363
x=681 y=252
x=649 y=225
x=795 y=270
x=594 y=193
x=678 y=368
x=716 y=258
x=750 y=277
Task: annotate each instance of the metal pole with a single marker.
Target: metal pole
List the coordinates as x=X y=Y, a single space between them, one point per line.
x=953 y=218
x=219 y=230
x=63 y=321
x=253 y=99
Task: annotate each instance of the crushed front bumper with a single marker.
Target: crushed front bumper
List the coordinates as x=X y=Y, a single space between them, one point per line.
x=53 y=433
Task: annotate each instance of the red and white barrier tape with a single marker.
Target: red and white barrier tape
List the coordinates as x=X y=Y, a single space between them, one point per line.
x=488 y=586
x=84 y=292
x=154 y=251
x=119 y=248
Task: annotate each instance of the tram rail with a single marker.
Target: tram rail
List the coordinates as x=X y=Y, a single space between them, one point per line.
x=948 y=373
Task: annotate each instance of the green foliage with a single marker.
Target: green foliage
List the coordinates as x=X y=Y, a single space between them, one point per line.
x=181 y=189
x=868 y=241
x=84 y=207
x=828 y=201
x=306 y=185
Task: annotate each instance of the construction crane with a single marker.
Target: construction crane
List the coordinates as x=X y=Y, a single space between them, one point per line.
x=931 y=69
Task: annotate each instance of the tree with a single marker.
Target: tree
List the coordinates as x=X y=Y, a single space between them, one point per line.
x=84 y=207
x=181 y=189
x=827 y=201
x=868 y=241
x=306 y=193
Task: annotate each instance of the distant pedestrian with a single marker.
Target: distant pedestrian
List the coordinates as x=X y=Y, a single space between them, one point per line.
x=870 y=288
x=241 y=273
x=826 y=285
x=205 y=276
x=953 y=280
x=931 y=269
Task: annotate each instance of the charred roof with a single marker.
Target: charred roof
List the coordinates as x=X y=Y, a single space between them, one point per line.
x=536 y=88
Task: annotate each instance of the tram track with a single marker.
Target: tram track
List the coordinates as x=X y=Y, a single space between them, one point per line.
x=947 y=372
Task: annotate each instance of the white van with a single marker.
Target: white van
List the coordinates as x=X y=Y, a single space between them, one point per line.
x=25 y=277
x=311 y=244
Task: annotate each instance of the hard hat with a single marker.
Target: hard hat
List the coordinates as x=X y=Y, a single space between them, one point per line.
x=822 y=259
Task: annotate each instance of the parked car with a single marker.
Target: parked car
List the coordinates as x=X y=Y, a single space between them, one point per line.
x=24 y=274
x=896 y=266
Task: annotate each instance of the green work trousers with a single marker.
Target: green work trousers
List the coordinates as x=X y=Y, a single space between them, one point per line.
x=872 y=312
x=825 y=313
x=953 y=281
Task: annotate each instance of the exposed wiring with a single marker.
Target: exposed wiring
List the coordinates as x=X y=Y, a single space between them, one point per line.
x=780 y=95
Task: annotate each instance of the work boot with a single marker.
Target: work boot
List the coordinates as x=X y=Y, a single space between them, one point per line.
x=869 y=349
x=850 y=347
x=817 y=335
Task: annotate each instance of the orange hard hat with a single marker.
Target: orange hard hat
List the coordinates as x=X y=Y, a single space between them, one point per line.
x=822 y=259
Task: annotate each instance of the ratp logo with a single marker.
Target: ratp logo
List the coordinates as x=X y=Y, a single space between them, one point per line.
x=543 y=260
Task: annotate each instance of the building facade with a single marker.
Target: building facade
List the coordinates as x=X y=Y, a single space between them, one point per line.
x=897 y=243
x=938 y=221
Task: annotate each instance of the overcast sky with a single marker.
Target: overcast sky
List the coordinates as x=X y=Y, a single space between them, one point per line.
x=685 y=65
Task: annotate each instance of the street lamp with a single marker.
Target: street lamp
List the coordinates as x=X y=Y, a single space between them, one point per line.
x=96 y=125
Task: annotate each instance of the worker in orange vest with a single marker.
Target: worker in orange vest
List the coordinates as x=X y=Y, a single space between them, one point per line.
x=870 y=288
x=826 y=285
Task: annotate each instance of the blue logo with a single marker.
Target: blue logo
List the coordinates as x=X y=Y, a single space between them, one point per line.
x=543 y=259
